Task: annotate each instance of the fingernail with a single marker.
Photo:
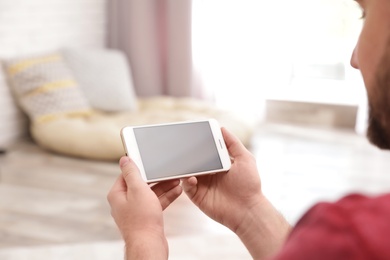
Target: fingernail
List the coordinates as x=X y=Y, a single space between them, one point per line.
x=123 y=161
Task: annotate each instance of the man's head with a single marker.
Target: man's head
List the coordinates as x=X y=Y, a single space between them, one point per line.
x=372 y=57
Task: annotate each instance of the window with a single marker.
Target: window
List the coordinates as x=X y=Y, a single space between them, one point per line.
x=247 y=51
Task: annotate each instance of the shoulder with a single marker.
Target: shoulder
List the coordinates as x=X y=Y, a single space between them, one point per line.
x=349 y=211
x=354 y=227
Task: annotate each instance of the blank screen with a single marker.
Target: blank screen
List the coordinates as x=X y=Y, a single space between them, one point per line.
x=172 y=150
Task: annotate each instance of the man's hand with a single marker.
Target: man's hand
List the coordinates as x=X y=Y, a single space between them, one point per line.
x=137 y=210
x=235 y=200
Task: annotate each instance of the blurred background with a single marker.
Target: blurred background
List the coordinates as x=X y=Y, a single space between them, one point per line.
x=260 y=53
x=244 y=55
x=281 y=66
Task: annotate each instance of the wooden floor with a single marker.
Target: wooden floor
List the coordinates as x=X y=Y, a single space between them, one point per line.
x=54 y=207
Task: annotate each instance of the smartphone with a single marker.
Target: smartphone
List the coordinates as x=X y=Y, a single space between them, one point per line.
x=176 y=150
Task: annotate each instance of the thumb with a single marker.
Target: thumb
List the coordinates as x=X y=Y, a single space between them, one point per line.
x=233 y=144
x=190 y=186
x=130 y=172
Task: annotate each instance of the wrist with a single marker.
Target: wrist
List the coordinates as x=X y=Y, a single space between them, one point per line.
x=263 y=229
x=146 y=245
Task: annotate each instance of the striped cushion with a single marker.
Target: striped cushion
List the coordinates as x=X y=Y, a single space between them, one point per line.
x=45 y=87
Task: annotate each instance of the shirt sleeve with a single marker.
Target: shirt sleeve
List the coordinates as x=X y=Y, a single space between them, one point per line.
x=355 y=227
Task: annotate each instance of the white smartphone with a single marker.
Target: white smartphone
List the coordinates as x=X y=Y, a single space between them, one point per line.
x=176 y=150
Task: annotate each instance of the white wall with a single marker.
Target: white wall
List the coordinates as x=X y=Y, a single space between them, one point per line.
x=28 y=27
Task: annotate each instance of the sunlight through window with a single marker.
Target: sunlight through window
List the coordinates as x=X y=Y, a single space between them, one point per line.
x=247 y=51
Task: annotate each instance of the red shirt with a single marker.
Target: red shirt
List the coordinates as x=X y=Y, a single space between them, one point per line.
x=355 y=227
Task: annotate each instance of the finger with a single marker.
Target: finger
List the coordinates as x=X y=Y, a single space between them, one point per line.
x=131 y=173
x=162 y=187
x=190 y=186
x=119 y=184
x=117 y=191
x=233 y=144
x=170 y=196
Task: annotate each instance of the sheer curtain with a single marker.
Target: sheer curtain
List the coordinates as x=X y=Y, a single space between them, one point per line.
x=247 y=51
x=156 y=36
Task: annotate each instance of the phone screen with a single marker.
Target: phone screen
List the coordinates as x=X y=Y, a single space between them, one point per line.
x=177 y=149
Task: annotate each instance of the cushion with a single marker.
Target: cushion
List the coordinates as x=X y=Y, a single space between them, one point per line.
x=13 y=126
x=105 y=78
x=97 y=136
x=45 y=87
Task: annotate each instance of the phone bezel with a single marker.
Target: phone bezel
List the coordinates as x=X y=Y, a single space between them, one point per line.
x=131 y=148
